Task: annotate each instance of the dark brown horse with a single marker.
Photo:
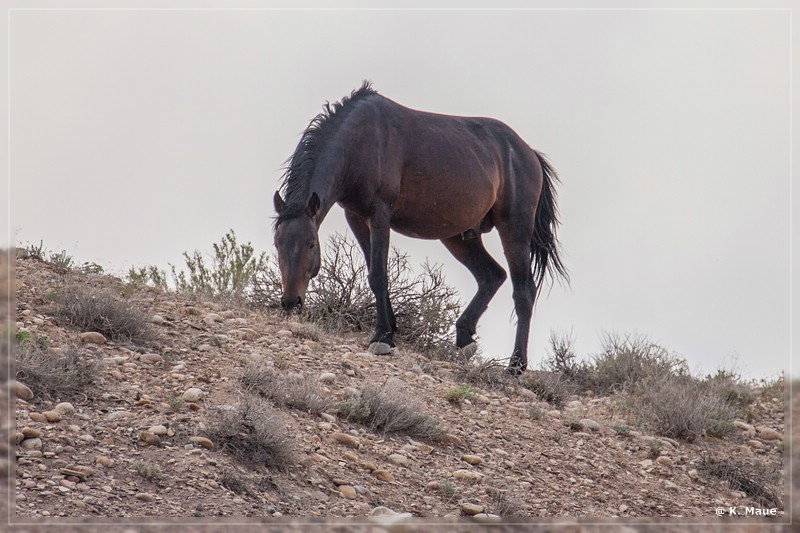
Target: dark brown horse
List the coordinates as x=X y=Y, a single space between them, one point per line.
x=427 y=176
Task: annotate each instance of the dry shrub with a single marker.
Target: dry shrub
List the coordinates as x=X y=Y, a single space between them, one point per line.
x=680 y=406
x=753 y=478
x=628 y=360
x=488 y=373
x=502 y=505
x=340 y=300
x=389 y=409
x=253 y=434
x=62 y=373
x=293 y=390
x=90 y=309
x=552 y=387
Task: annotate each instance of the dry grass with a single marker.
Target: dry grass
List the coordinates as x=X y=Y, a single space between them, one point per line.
x=89 y=309
x=487 y=373
x=389 y=409
x=293 y=390
x=552 y=387
x=252 y=434
x=754 y=479
x=60 y=373
x=681 y=407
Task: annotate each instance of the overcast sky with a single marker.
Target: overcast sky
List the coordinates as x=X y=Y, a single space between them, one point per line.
x=138 y=134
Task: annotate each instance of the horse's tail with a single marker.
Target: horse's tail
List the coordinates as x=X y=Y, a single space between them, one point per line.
x=544 y=245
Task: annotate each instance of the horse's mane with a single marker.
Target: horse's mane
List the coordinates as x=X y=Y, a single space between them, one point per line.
x=300 y=166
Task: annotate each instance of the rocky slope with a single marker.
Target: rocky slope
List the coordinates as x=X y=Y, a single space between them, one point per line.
x=135 y=443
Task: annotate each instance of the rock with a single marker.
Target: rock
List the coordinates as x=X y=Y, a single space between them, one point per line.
x=145 y=497
x=65 y=408
x=590 y=424
x=386 y=512
x=743 y=426
x=757 y=444
x=384 y=475
x=647 y=463
x=22 y=391
x=768 y=434
x=104 y=461
x=118 y=415
x=348 y=492
x=693 y=473
x=17 y=437
x=399 y=459
x=151 y=358
x=149 y=438
x=471 y=508
x=92 y=337
x=158 y=430
x=327 y=377
x=347 y=440
x=31 y=444
x=284 y=333
x=52 y=416
x=471 y=459
x=212 y=318
x=663 y=460
x=193 y=394
x=669 y=485
x=452 y=439
x=202 y=441
x=353 y=458
x=468 y=475
x=574 y=404
x=204 y=348
x=37 y=417
x=158 y=319
x=30 y=433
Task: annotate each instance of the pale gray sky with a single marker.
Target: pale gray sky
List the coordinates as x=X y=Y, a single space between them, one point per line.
x=138 y=134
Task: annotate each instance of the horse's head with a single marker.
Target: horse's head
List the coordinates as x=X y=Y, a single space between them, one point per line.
x=297 y=241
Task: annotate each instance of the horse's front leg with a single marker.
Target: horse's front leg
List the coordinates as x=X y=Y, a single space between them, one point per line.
x=382 y=342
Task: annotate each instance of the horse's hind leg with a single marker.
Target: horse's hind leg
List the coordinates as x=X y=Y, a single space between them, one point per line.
x=517 y=248
x=488 y=274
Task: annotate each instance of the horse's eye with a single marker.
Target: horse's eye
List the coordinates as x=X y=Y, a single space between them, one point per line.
x=311 y=245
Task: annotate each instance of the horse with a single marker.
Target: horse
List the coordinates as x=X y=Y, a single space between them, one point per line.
x=426 y=176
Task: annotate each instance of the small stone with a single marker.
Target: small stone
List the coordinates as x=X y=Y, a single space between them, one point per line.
x=30 y=433
x=468 y=475
x=384 y=475
x=471 y=508
x=743 y=426
x=202 y=441
x=93 y=337
x=145 y=497
x=117 y=415
x=149 y=438
x=574 y=404
x=31 y=444
x=65 y=408
x=670 y=485
x=623 y=508
x=757 y=444
x=452 y=439
x=347 y=440
x=768 y=434
x=193 y=394
x=471 y=459
x=327 y=377
x=52 y=416
x=158 y=430
x=399 y=459
x=590 y=424
x=284 y=333
x=348 y=492
x=151 y=358
x=647 y=463
x=663 y=460
x=17 y=437
x=693 y=473
x=22 y=391
x=37 y=417
x=212 y=318
x=104 y=461
x=204 y=348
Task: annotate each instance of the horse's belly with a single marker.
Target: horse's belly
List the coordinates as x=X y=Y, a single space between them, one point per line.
x=441 y=214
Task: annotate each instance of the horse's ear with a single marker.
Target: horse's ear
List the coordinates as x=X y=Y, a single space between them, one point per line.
x=313 y=205
x=280 y=205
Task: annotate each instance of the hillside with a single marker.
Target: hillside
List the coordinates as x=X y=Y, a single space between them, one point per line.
x=138 y=440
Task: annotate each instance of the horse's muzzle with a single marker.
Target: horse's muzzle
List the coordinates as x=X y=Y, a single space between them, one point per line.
x=292 y=305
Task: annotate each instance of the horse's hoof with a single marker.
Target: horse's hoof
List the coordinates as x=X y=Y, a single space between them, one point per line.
x=470 y=349
x=380 y=348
